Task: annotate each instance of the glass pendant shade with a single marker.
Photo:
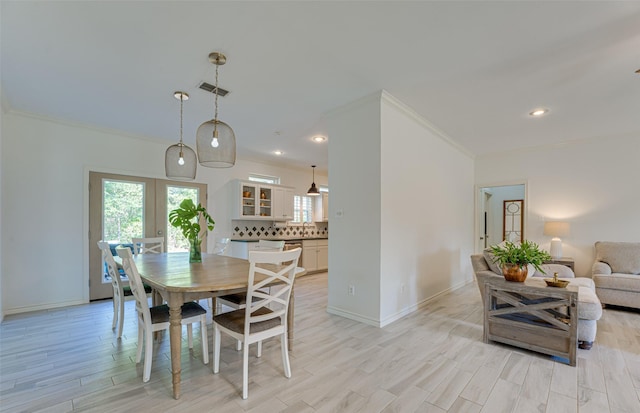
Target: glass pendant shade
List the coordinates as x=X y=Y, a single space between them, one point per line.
x=180 y=171
x=216 y=152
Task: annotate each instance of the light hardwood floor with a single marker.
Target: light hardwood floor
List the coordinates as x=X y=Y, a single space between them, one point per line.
x=430 y=361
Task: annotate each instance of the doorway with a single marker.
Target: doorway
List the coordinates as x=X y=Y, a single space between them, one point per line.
x=495 y=219
x=122 y=207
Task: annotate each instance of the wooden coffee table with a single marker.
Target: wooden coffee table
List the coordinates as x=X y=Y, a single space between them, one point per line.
x=532 y=316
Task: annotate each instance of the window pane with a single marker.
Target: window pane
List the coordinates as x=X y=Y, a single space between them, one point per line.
x=302 y=209
x=123 y=211
x=176 y=242
x=265 y=179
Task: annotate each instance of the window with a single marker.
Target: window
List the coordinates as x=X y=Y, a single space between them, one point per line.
x=323 y=188
x=265 y=179
x=302 y=208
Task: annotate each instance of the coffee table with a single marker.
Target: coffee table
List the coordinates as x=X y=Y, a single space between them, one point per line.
x=532 y=316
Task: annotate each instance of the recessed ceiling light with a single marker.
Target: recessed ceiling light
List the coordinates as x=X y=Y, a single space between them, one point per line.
x=278 y=153
x=319 y=139
x=539 y=112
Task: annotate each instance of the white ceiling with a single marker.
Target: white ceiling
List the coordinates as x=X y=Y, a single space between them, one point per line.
x=474 y=69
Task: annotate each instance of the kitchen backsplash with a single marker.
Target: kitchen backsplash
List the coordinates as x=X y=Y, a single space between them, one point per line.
x=261 y=230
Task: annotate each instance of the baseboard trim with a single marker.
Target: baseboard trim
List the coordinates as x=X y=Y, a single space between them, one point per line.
x=353 y=316
x=19 y=310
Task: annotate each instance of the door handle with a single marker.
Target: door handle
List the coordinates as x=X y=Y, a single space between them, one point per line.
x=159 y=232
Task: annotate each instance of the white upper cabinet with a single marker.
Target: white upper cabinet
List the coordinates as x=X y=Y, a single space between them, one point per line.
x=321 y=212
x=253 y=201
x=282 y=203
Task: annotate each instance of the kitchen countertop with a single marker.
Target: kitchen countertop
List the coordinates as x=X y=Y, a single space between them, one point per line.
x=280 y=239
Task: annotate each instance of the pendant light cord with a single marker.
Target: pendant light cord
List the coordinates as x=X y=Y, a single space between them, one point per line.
x=215 y=118
x=181 y=102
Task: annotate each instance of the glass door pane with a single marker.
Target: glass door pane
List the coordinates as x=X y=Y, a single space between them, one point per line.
x=123 y=211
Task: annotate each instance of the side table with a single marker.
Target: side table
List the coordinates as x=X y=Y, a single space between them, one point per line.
x=568 y=261
x=532 y=316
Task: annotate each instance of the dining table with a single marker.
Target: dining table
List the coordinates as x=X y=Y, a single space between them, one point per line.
x=178 y=281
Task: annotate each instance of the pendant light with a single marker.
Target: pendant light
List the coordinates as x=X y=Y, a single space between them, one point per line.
x=313 y=191
x=180 y=161
x=215 y=140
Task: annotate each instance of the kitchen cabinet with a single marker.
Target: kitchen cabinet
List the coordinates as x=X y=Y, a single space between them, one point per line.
x=282 y=204
x=315 y=255
x=253 y=201
x=321 y=212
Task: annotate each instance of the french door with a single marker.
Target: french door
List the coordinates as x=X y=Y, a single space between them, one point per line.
x=122 y=207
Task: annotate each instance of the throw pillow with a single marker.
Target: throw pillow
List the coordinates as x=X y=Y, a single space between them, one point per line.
x=562 y=270
x=489 y=257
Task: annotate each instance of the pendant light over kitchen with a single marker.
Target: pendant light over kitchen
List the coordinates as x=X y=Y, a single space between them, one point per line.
x=215 y=140
x=313 y=191
x=180 y=161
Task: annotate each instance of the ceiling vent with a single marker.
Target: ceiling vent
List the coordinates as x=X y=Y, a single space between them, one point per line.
x=211 y=88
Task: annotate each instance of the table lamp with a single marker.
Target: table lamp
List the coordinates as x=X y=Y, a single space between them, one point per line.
x=556 y=229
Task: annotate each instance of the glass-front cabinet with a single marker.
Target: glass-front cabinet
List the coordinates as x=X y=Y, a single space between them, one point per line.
x=255 y=201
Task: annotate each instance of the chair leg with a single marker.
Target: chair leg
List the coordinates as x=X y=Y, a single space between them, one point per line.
x=140 y=341
x=259 y=354
x=285 y=355
x=205 y=339
x=190 y=335
x=238 y=345
x=216 y=349
x=245 y=370
x=148 y=355
x=115 y=312
x=120 y=316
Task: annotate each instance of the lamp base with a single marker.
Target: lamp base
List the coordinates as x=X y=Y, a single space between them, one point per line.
x=556 y=248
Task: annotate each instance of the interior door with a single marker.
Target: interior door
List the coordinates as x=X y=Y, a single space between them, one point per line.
x=122 y=207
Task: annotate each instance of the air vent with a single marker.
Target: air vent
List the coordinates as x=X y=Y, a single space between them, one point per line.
x=211 y=88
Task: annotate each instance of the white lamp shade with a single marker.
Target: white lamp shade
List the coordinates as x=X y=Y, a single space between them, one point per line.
x=556 y=229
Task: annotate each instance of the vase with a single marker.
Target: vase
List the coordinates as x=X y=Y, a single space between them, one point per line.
x=195 y=254
x=514 y=272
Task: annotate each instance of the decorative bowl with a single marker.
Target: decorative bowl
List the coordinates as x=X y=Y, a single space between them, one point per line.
x=556 y=283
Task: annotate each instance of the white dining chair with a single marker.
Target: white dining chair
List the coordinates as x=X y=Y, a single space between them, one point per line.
x=156 y=318
x=118 y=285
x=148 y=245
x=265 y=315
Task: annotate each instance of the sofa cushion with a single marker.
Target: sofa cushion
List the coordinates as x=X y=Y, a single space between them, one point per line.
x=562 y=270
x=622 y=257
x=589 y=306
x=617 y=281
x=489 y=257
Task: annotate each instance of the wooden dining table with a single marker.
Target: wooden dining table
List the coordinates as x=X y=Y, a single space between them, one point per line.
x=179 y=281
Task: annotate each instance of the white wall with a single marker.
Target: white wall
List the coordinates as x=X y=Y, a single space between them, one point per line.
x=594 y=185
x=427 y=212
x=45 y=202
x=2 y=109
x=407 y=200
x=354 y=246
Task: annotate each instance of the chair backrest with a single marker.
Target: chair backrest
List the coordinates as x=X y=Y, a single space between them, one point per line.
x=280 y=268
x=154 y=245
x=221 y=246
x=265 y=244
x=112 y=267
x=135 y=282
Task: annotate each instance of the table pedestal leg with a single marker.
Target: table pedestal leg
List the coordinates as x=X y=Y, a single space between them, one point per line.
x=175 y=335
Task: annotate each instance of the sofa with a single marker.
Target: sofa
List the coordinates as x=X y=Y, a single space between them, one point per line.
x=616 y=273
x=589 y=306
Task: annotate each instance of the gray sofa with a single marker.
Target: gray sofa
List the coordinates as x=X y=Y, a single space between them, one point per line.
x=616 y=273
x=589 y=307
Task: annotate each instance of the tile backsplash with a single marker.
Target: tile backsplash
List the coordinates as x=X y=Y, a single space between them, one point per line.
x=255 y=230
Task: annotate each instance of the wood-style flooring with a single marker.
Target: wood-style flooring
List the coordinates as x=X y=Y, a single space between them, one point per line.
x=433 y=360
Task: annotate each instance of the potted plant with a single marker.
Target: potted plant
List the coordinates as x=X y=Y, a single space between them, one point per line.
x=514 y=258
x=188 y=217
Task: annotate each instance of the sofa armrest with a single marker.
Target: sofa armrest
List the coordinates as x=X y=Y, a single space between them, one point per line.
x=600 y=267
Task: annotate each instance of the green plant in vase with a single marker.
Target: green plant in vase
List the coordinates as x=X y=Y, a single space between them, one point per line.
x=514 y=258
x=188 y=218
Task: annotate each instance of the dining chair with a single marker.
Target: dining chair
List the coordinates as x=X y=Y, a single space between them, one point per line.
x=149 y=245
x=156 y=318
x=118 y=285
x=264 y=317
x=239 y=300
x=221 y=246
